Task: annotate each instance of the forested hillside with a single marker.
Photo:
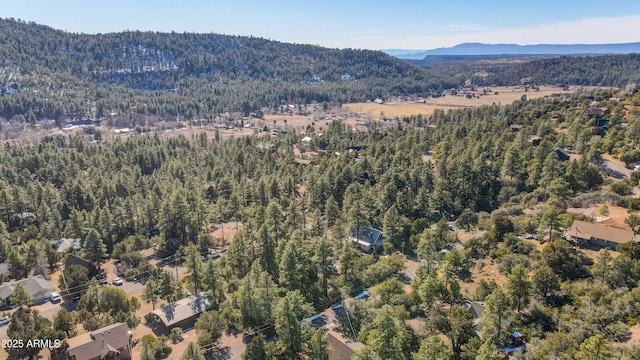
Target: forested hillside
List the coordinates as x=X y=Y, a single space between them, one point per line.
x=292 y=258
x=55 y=74
x=606 y=70
x=510 y=70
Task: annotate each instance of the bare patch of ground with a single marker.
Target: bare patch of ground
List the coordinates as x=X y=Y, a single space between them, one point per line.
x=224 y=232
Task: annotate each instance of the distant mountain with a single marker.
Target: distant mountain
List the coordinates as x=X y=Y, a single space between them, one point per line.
x=514 y=49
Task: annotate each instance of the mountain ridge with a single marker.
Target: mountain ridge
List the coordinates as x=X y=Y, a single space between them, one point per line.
x=47 y=71
x=475 y=48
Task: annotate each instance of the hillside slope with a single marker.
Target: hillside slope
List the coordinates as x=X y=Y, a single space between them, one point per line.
x=238 y=73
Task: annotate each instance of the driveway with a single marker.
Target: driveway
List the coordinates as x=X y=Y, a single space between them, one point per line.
x=131 y=288
x=48 y=309
x=615 y=168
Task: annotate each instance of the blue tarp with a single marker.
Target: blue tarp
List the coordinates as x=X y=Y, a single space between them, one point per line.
x=310 y=319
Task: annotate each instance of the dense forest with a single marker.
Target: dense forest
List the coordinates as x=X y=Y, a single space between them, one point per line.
x=291 y=257
x=510 y=70
x=506 y=174
x=58 y=75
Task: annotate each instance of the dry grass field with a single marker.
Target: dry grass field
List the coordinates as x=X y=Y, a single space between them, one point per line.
x=505 y=95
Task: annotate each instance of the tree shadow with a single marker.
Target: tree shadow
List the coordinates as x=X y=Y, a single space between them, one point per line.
x=219 y=354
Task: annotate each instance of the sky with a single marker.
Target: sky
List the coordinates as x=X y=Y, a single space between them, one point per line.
x=372 y=24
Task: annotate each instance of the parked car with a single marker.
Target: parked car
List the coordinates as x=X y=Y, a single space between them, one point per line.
x=4 y=320
x=103 y=281
x=213 y=255
x=117 y=281
x=55 y=297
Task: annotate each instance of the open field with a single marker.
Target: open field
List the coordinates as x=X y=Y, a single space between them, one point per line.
x=505 y=95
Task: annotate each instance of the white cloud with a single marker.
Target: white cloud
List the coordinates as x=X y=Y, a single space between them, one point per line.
x=583 y=31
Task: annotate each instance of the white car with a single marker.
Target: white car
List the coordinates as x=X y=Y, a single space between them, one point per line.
x=55 y=297
x=4 y=320
x=117 y=281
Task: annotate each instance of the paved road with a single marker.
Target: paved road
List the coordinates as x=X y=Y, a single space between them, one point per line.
x=47 y=310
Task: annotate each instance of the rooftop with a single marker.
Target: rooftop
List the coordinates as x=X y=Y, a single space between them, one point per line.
x=37 y=286
x=368 y=236
x=587 y=230
x=100 y=343
x=339 y=351
x=183 y=309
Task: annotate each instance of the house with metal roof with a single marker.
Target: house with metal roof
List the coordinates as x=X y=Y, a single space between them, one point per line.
x=368 y=238
x=183 y=313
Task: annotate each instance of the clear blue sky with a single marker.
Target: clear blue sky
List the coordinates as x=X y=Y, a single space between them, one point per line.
x=351 y=23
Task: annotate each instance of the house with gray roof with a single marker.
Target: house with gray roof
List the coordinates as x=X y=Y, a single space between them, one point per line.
x=109 y=342
x=368 y=238
x=66 y=244
x=476 y=309
x=183 y=313
x=39 y=288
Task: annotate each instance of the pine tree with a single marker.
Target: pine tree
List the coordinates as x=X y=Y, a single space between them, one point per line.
x=595 y=348
x=63 y=321
x=331 y=212
x=94 y=248
x=194 y=267
x=287 y=315
x=20 y=296
x=545 y=281
x=192 y=352
x=497 y=308
x=433 y=348
x=519 y=286
x=150 y=292
x=256 y=350
x=319 y=347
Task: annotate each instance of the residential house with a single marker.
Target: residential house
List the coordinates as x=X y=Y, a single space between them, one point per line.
x=339 y=350
x=76 y=260
x=583 y=233
x=603 y=123
x=563 y=155
x=183 y=313
x=515 y=128
x=368 y=238
x=66 y=244
x=22 y=220
x=476 y=310
x=517 y=343
x=39 y=288
x=316 y=321
x=535 y=140
x=110 y=342
x=597 y=111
